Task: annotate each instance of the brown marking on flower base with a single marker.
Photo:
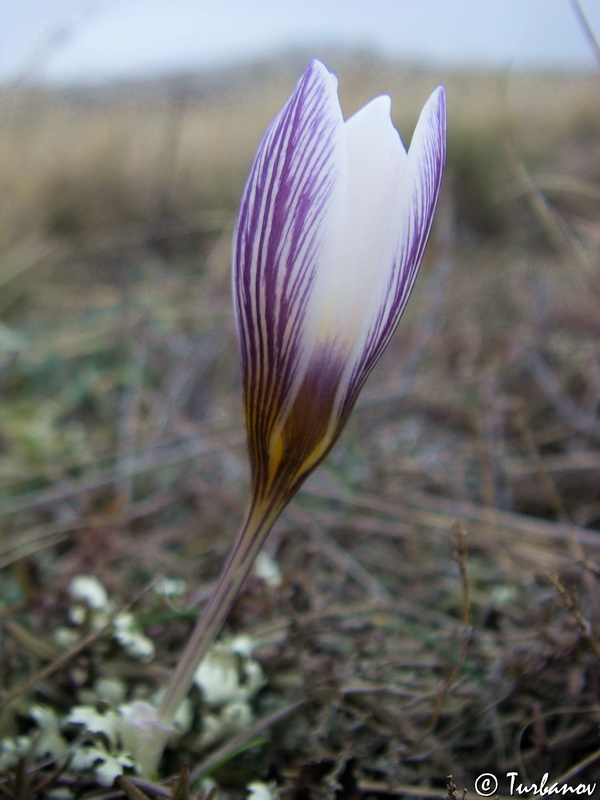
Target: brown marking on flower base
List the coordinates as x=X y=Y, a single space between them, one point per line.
x=296 y=445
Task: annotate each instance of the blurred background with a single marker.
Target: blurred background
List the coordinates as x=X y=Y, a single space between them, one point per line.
x=127 y=129
x=82 y=41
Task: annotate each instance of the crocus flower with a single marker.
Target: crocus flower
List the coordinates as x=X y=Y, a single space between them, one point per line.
x=331 y=232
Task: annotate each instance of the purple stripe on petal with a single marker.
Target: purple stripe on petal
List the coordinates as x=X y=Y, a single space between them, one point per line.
x=283 y=229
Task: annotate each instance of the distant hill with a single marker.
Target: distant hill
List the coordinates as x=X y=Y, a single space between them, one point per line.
x=250 y=79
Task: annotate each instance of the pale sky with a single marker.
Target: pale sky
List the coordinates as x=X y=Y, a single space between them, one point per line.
x=96 y=40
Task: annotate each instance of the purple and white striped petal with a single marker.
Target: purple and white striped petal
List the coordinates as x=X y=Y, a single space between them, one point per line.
x=286 y=230
x=332 y=228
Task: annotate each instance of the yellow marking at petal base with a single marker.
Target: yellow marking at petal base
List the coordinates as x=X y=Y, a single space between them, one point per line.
x=314 y=457
x=275 y=451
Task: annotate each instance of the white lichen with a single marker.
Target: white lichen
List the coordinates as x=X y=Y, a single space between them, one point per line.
x=106 y=766
x=89 y=590
x=228 y=673
x=268 y=570
x=47 y=740
x=106 y=722
x=131 y=639
x=258 y=790
x=11 y=750
x=169 y=587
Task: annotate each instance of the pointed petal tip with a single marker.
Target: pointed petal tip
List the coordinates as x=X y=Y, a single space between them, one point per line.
x=382 y=105
x=316 y=63
x=320 y=72
x=375 y=117
x=438 y=99
x=431 y=125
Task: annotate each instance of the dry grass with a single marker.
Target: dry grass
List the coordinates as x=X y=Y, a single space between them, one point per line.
x=438 y=611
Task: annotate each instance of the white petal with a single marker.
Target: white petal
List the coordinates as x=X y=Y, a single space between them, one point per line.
x=367 y=237
x=401 y=231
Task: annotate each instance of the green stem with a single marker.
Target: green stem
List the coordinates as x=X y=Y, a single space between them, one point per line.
x=247 y=545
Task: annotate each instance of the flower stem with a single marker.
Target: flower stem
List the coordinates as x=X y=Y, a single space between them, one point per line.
x=249 y=540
